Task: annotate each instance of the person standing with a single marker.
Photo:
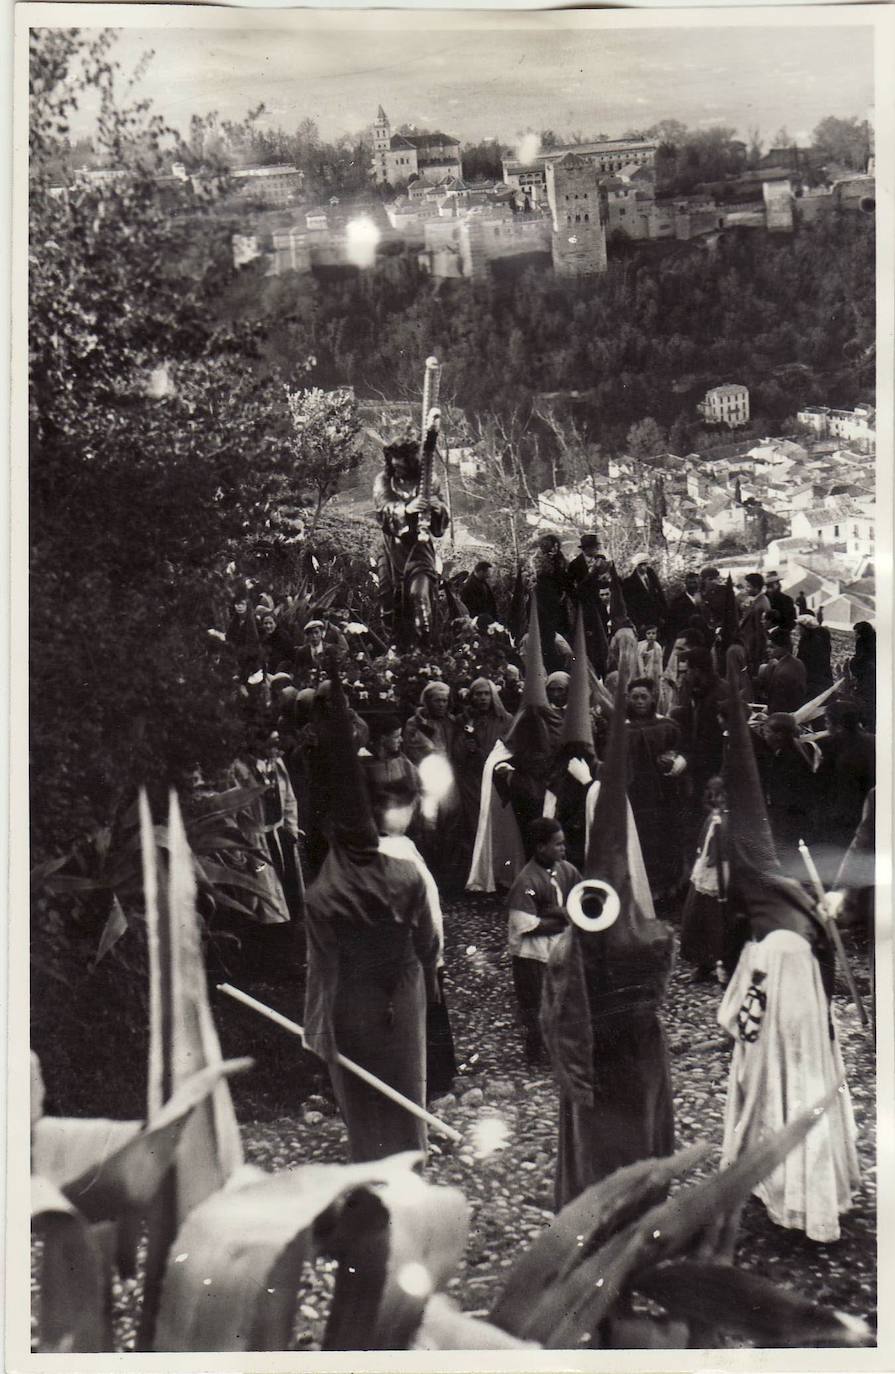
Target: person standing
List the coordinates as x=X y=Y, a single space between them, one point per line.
x=536 y=917
x=600 y=1007
x=644 y=597
x=778 y=1011
x=754 y=607
x=784 y=678
x=654 y=765
x=815 y=650
x=687 y=611
x=585 y=571
x=551 y=589
x=372 y=955
x=480 y=725
x=477 y=594
x=782 y=611
x=861 y=672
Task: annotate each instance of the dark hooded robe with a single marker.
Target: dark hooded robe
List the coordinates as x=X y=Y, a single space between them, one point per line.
x=655 y=799
x=372 y=950
x=600 y=1012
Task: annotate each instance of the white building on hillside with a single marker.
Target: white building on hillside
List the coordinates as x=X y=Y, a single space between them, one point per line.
x=855 y=426
x=726 y=405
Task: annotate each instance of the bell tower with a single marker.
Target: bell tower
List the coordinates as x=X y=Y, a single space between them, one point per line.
x=382 y=138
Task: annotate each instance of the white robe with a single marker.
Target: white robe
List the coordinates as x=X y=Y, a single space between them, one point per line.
x=498 y=850
x=786 y=1070
x=639 y=882
x=402 y=847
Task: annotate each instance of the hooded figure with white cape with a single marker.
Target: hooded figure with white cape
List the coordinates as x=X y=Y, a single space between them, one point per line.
x=778 y=1011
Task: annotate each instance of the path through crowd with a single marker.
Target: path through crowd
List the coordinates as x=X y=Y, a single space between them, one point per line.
x=507 y=1113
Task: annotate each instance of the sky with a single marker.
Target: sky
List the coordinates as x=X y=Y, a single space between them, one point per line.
x=501 y=81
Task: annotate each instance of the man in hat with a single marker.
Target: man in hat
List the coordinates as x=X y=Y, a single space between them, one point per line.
x=815 y=650
x=783 y=608
x=552 y=591
x=644 y=596
x=585 y=571
x=310 y=657
x=408 y=569
x=778 y=1010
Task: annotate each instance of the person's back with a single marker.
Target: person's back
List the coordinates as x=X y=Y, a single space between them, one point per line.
x=786 y=684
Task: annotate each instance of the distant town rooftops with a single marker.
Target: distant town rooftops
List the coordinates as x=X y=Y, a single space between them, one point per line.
x=608 y=145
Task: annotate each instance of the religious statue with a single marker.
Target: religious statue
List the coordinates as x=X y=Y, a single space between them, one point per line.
x=412 y=515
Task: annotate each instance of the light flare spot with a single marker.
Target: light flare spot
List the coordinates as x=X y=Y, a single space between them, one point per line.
x=184 y=1255
x=489 y=1134
x=415 y=1280
x=361 y=238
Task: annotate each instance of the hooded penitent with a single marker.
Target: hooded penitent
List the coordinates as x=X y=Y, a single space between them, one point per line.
x=577 y=727
x=533 y=723
x=600 y=985
x=758 y=885
x=357 y=886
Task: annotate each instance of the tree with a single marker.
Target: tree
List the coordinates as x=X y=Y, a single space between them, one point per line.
x=324 y=441
x=848 y=141
x=754 y=154
x=646 y=440
x=680 y=436
x=139 y=494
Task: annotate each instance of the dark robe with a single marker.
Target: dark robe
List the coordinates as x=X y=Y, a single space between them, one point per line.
x=785 y=685
x=682 y=612
x=783 y=610
x=552 y=590
x=370 y=943
x=702 y=734
x=601 y=1022
x=846 y=774
x=815 y=650
x=645 y=601
x=479 y=599
x=655 y=800
x=792 y=797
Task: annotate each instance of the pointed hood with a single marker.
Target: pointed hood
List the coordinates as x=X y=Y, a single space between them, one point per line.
x=516 y=617
x=730 y=616
x=770 y=899
x=597 y=983
x=352 y=815
x=577 y=727
x=534 y=688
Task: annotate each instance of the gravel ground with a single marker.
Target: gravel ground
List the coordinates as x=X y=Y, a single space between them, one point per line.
x=510 y=1191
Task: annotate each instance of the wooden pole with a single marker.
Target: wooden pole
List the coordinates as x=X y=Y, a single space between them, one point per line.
x=392 y=1093
x=835 y=935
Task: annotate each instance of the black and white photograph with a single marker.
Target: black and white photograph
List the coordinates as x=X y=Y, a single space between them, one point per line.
x=449 y=559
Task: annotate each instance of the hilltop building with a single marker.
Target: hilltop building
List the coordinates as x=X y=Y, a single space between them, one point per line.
x=579 y=233
x=277 y=185
x=403 y=157
x=609 y=157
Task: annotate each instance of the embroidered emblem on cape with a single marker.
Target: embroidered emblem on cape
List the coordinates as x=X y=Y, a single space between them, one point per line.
x=751 y=1013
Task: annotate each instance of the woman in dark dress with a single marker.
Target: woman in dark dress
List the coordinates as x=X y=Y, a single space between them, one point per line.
x=862 y=672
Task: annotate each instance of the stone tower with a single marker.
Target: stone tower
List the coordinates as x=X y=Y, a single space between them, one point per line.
x=579 y=233
x=382 y=137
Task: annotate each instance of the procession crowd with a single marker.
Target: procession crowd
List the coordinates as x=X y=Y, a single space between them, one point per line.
x=674 y=748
